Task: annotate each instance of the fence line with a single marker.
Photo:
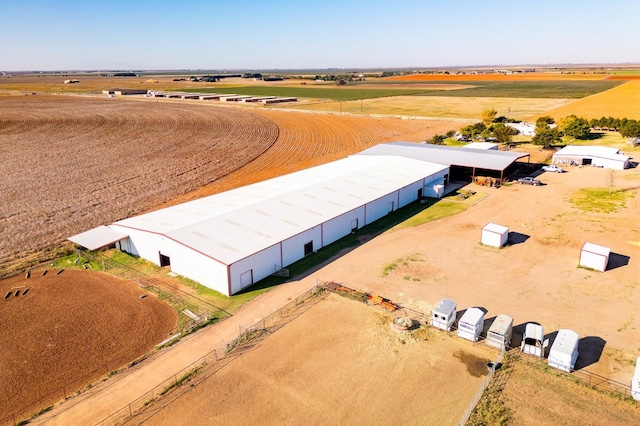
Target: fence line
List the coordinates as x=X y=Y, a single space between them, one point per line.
x=221 y=352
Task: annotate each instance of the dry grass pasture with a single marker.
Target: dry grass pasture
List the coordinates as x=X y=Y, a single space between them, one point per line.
x=339 y=362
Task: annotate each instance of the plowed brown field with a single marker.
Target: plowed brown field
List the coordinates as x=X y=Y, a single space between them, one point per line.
x=68 y=164
x=65 y=330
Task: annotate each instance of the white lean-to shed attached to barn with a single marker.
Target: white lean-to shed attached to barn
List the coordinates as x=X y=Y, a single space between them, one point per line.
x=564 y=351
x=594 y=256
x=471 y=324
x=494 y=235
x=231 y=240
x=444 y=315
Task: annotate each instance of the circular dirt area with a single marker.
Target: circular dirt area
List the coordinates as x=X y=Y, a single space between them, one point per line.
x=61 y=331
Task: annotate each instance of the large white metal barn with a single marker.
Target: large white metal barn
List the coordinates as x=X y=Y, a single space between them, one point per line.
x=231 y=240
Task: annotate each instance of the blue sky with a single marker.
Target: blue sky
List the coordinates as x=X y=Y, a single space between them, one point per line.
x=282 y=34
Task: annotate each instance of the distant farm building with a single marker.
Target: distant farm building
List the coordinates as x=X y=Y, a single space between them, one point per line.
x=125 y=92
x=598 y=156
x=229 y=241
x=523 y=129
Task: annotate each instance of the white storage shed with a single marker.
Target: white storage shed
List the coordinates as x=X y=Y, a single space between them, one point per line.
x=471 y=324
x=598 y=156
x=594 y=256
x=231 y=240
x=635 y=382
x=499 y=334
x=533 y=342
x=564 y=351
x=444 y=315
x=494 y=235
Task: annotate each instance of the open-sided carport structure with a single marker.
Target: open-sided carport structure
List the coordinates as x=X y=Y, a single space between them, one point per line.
x=465 y=164
x=231 y=240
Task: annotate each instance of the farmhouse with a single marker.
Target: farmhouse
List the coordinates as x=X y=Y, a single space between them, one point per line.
x=465 y=164
x=231 y=240
x=598 y=156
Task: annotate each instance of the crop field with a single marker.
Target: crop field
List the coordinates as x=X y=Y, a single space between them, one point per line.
x=620 y=102
x=461 y=111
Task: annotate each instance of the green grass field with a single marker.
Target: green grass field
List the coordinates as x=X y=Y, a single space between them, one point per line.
x=530 y=89
x=570 y=89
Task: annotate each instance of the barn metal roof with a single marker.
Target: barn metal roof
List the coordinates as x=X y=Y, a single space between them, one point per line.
x=448 y=155
x=235 y=224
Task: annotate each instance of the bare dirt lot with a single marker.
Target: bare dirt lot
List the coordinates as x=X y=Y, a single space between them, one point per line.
x=338 y=363
x=64 y=330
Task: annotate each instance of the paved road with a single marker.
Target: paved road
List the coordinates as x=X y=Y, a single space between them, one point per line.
x=119 y=391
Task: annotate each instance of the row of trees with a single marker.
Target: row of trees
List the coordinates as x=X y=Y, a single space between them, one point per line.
x=547 y=131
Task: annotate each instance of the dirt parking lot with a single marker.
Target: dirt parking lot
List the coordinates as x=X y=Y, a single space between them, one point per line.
x=535 y=278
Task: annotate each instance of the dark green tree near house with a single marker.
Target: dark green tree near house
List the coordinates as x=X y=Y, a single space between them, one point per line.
x=575 y=127
x=546 y=136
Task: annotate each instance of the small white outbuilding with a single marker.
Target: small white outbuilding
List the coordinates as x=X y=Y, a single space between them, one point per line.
x=594 y=256
x=564 y=351
x=494 y=235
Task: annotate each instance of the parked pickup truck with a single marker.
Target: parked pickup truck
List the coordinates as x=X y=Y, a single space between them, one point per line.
x=529 y=181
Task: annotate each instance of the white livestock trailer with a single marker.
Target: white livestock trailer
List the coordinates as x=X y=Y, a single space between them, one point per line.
x=499 y=334
x=444 y=315
x=471 y=324
x=564 y=351
x=635 y=382
x=533 y=342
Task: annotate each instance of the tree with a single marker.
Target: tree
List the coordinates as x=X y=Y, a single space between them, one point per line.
x=503 y=133
x=488 y=115
x=451 y=133
x=545 y=119
x=546 y=136
x=576 y=127
x=437 y=140
x=631 y=129
x=473 y=130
